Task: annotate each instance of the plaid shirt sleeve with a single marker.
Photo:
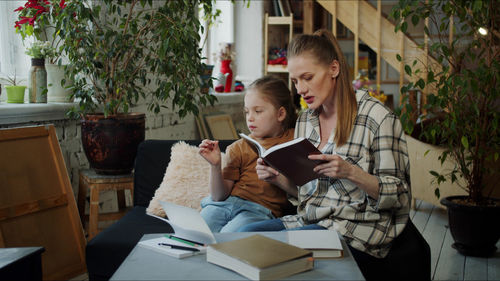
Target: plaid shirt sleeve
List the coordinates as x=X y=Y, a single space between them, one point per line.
x=390 y=164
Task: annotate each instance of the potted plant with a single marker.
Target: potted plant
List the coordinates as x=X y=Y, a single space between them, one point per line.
x=40 y=20
x=15 y=92
x=123 y=51
x=462 y=111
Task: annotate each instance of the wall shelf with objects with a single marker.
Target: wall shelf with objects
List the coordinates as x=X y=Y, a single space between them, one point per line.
x=278 y=32
x=282 y=20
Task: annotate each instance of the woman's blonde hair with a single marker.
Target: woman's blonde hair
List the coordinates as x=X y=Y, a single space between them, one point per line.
x=276 y=91
x=323 y=46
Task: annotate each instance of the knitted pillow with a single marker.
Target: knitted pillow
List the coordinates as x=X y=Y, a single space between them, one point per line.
x=186 y=179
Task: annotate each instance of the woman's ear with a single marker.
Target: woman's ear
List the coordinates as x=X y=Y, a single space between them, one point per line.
x=334 y=68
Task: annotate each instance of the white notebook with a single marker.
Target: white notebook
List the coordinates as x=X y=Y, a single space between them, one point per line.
x=323 y=243
x=154 y=244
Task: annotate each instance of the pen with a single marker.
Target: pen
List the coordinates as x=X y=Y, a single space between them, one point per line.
x=185 y=241
x=179 y=247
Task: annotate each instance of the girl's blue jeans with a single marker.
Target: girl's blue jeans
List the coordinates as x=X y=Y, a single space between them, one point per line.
x=233 y=213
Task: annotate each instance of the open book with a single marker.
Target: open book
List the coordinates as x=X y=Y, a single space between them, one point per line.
x=290 y=158
x=323 y=243
x=187 y=223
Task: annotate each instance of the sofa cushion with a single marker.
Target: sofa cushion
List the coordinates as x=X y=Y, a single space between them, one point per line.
x=151 y=162
x=186 y=179
x=106 y=251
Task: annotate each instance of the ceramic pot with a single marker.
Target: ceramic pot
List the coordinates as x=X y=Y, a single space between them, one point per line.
x=110 y=144
x=475 y=229
x=56 y=92
x=37 y=81
x=15 y=94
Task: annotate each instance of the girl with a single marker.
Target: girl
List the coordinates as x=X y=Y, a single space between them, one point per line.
x=237 y=196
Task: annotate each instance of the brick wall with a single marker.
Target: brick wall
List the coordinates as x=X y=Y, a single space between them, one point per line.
x=166 y=125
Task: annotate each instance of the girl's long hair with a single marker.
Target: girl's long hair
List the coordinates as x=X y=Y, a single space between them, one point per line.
x=323 y=46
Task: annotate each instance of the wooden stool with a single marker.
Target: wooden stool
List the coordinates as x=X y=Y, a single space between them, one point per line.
x=89 y=179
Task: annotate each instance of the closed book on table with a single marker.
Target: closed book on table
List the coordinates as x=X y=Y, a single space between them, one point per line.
x=260 y=258
x=323 y=243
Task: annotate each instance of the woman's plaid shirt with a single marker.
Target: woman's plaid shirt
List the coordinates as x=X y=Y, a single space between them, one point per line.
x=377 y=144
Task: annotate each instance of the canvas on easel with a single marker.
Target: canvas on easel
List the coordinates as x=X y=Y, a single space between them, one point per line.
x=37 y=205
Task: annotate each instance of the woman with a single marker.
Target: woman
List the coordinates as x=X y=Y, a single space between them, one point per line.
x=364 y=191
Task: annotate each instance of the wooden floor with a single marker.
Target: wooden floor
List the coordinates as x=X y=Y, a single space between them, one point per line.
x=447 y=263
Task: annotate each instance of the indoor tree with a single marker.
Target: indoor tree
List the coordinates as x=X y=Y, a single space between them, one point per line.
x=462 y=110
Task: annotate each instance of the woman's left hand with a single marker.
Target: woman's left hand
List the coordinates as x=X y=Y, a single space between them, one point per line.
x=334 y=166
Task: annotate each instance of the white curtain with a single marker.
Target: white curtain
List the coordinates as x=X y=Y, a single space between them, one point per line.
x=12 y=52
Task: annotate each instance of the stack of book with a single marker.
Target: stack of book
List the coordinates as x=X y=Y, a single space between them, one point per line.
x=260 y=258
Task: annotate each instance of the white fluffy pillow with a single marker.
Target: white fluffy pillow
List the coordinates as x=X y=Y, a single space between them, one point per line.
x=186 y=179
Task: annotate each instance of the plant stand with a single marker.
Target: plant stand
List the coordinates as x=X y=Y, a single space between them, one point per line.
x=95 y=183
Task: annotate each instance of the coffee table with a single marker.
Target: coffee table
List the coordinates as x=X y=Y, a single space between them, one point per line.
x=145 y=264
x=23 y=263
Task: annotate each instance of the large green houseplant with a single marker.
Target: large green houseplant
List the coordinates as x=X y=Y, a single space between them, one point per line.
x=462 y=110
x=125 y=51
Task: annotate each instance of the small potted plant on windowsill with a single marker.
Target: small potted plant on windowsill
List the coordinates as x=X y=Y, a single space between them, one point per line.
x=462 y=112
x=15 y=92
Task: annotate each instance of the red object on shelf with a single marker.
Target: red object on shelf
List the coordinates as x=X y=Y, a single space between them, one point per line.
x=226 y=68
x=281 y=60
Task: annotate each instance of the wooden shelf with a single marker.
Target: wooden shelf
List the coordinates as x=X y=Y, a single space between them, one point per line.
x=280 y=20
x=283 y=28
x=277 y=68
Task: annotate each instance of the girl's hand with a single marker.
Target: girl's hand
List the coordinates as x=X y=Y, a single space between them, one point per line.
x=210 y=150
x=334 y=166
x=272 y=176
x=266 y=173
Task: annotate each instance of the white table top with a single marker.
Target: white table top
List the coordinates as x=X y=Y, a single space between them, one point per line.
x=145 y=264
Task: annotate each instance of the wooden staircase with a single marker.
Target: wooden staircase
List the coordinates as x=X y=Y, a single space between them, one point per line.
x=368 y=24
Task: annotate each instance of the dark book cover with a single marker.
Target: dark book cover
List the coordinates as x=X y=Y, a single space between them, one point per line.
x=291 y=159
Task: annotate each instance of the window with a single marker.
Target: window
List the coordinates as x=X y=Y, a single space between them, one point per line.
x=222 y=31
x=12 y=56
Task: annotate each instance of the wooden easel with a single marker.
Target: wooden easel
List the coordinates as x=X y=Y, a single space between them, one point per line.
x=37 y=205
